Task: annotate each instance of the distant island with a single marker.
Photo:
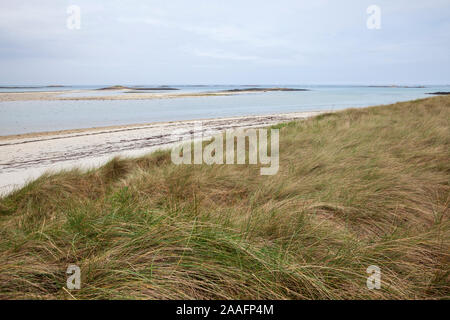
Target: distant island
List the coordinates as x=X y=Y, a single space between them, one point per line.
x=395 y=86
x=439 y=92
x=31 y=87
x=263 y=90
x=117 y=87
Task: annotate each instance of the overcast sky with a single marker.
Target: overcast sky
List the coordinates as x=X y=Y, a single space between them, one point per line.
x=224 y=42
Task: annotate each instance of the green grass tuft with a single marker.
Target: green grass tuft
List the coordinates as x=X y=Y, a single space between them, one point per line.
x=355 y=188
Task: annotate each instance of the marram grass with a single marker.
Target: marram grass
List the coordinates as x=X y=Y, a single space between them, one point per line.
x=355 y=188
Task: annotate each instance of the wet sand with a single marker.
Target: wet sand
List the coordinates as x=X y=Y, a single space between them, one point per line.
x=25 y=157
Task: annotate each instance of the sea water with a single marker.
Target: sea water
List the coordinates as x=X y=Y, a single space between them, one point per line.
x=18 y=117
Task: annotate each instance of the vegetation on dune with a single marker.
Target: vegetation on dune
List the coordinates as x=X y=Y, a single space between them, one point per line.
x=355 y=188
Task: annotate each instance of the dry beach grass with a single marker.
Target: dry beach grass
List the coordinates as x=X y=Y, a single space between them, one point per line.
x=355 y=188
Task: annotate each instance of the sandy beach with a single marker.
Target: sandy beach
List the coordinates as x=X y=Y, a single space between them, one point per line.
x=123 y=94
x=25 y=157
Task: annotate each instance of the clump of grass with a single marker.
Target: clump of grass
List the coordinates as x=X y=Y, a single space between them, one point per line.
x=355 y=188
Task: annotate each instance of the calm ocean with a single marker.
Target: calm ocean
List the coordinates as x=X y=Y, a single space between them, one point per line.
x=34 y=116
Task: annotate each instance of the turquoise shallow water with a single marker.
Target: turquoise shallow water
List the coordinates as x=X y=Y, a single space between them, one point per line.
x=34 y=116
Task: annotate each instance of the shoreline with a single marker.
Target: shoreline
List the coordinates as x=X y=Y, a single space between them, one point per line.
x=25 y=157
x=125 y=94
x=137 y=126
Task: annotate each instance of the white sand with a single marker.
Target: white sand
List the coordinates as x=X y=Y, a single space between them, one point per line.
x=26 y=157
x=125 y=94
